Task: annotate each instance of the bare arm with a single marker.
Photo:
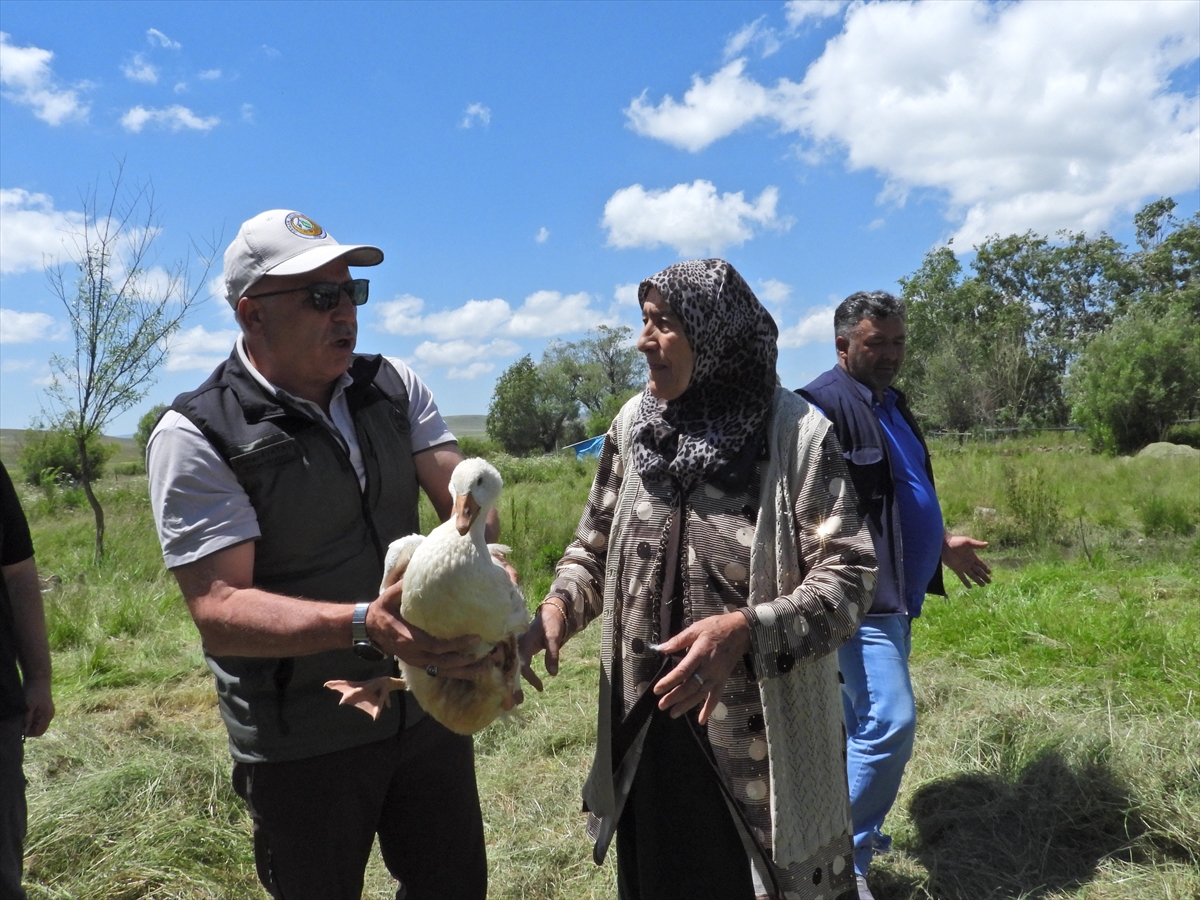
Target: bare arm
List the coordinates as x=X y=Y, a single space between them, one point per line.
x=33 y=648
x=434 y=468
x=237 y=619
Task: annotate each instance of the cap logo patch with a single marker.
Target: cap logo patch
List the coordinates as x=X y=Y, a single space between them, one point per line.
x=304 y=227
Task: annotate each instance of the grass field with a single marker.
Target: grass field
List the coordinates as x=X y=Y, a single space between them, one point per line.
x=1058 y=754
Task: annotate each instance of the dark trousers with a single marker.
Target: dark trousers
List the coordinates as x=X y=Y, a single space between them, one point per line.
x=315 y=819
x=676 y=839
x=12 y=806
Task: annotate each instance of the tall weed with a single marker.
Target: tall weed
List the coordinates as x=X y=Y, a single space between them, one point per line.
x=1034 y=504
x=1163 y=516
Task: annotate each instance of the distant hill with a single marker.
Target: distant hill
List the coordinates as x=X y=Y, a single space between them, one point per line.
x=11 y=440
x=467 y=426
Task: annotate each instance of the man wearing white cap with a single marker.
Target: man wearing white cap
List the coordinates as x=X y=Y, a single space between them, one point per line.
x=276 y=487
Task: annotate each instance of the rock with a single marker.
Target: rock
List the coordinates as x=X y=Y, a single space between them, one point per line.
x=1166 y=450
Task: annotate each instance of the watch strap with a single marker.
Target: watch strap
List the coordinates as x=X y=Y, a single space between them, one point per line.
x=358 y=625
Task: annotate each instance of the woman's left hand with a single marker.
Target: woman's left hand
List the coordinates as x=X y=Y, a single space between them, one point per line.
x=711 y=649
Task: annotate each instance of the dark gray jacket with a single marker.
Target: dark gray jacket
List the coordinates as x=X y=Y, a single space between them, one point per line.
x=323 y=537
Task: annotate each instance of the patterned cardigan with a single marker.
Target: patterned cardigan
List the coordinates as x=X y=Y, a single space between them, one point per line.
x=790 y=552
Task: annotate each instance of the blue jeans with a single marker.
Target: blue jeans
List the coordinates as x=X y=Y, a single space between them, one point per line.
x=881 y=719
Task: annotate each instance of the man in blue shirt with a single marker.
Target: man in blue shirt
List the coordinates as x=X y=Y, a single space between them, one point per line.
x=889 y=466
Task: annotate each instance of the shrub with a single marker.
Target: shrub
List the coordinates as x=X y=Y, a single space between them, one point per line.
x=1034 y=503
x=133 y=467
x=1187 y=434
x=1163 y=516
x=1132 y=382
x=55 y=450
x=146 y=426
x=479 y=446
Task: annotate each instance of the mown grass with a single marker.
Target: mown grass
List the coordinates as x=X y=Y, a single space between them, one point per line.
x=1058 y=752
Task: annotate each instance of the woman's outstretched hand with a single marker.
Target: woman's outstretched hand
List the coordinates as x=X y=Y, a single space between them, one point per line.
x=547 y=633
x=711 y=649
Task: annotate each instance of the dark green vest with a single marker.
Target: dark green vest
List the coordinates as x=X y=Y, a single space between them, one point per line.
x=323 y=538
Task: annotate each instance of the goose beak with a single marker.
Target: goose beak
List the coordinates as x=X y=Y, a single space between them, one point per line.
x=466 y=510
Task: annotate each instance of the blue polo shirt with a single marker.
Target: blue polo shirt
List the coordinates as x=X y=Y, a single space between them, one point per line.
x=921 y=527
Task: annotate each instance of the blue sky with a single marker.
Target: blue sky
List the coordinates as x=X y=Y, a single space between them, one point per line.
x=523 y=166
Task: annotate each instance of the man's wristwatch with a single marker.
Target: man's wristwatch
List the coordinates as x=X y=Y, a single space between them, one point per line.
x=362 y=643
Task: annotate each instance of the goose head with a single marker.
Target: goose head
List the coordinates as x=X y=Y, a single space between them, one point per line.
x=475 y=485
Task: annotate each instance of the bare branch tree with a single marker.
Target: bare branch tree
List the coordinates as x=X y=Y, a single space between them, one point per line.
x=122 y=311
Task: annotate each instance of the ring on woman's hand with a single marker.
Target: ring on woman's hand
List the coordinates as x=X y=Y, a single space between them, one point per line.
x=431 y=670
x=699 y=680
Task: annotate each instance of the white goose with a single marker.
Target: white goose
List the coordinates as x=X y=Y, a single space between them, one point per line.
x=452 y=587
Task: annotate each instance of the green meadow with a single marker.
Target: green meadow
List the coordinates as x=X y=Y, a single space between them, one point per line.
x=1058 y=753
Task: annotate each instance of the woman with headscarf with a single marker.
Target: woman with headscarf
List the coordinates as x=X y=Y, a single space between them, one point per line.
x=721 y=546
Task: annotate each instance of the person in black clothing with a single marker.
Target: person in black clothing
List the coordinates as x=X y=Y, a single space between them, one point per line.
x=26 y=706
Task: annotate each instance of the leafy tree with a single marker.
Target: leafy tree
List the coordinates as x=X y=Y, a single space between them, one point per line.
x=56 y=452
x=1134 y=381
x=121 y=314
x=602 y=366
x=538 y=406
x=1167 y=269
x=970 y=361
x=994 y=347
x=529 y=410
x=146 y=426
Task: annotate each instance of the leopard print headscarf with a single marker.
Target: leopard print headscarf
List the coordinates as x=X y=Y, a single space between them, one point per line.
x=733 y=380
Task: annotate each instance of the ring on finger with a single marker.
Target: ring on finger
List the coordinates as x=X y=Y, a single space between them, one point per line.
x=699 y=679
x=431 y=670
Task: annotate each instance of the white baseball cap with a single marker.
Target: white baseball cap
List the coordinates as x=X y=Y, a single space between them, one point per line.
x=285 y=242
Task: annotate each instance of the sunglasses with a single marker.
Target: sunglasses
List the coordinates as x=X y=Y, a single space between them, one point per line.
x=325 y=295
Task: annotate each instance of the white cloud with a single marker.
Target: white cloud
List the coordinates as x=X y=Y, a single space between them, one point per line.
x=247 y=112
x=473 y=317
x=400 y=316
x=876 y=224
x=543 y=314
x=750 y=35
x=198 y=348
x=1022 y=115
x=815 y=327
x=17 y=365
x=18 y=327
x=464 y=359
x=176 y=118
x=474 y=370
x=546 y=313
x=32 y=231
x=710 y=109
x=543 y=235
x=774 y=291
x=270 y=51
x=209 y=75
x=800 y=11
x=139 y=69
x=27 y=79
x=476 y=113
x=692 y=218
x=180 y=87
x=626 y=294
x=154 y=36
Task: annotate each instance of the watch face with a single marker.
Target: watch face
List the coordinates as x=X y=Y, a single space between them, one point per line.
x=368 y=651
